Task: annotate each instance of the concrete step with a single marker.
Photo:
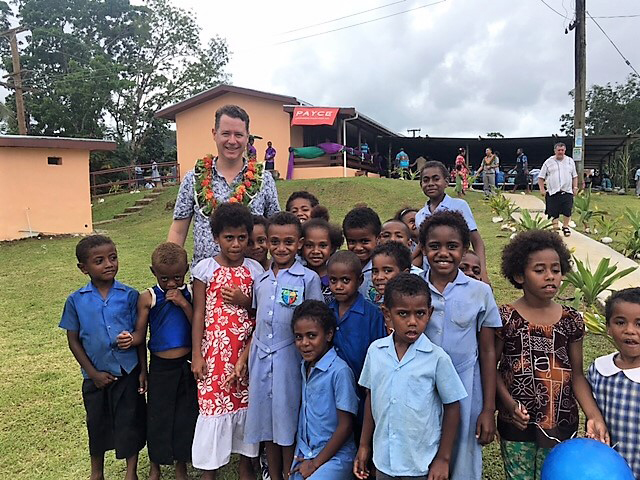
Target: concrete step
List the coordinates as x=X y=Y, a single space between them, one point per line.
x=152 y=195
x=102 y=222
x=144 y=201
x=121 y=215
x=134 y=209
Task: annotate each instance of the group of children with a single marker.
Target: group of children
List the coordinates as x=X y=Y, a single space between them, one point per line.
x=386 y=360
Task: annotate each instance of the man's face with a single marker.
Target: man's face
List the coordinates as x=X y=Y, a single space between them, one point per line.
x=231 y=138
x=560 y=150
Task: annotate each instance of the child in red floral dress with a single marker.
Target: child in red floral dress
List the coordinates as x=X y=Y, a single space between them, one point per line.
x=222 y=325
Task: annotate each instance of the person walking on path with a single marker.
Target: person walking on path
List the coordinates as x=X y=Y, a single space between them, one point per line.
x=522 y=172
x=558 y=182
x=217 y=180
x=488 y=168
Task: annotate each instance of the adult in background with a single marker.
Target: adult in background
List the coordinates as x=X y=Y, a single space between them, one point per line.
x=488 y=168
x=220 y=177
x=269 y=157
x=252 y=153
x=558 y=182
x=402 y=162
x=522 y=171
x=462 y=172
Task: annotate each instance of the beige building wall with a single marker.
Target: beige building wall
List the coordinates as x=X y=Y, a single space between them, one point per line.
x=325 y=172
x=267 y=119
x=52 y=199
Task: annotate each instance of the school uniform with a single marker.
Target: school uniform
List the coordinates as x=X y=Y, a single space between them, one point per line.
x=274 y=380
x=451 y=204
x=172 y=409
x=116 y=414
x=366 y=287
x=407 y=396
x=358 y=328
x=329 y=387
x=465 y=306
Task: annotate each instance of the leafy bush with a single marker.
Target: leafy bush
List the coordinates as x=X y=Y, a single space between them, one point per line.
x=537 y=222
x=585 y=210
x=631 y=236
x=609 y=227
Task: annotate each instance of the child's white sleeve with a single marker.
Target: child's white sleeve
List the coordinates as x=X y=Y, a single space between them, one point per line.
x=204 y=270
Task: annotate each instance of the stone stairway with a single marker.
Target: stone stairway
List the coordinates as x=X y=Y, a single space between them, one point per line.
x=137 y=207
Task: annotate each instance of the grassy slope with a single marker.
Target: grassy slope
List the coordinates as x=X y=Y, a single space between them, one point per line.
x=42 y=433
x=114 y=204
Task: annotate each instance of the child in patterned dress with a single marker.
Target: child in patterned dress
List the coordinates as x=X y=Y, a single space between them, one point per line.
x=222 y=325
x=539 y=348
x=615 y=378
x=321 y=240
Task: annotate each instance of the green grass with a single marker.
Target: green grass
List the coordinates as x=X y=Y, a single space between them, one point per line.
x=42 y=434
x=113 y=204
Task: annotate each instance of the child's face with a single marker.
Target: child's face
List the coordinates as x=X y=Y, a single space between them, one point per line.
x=101 y=264
x=395 y=231
x=444 y=250
x=470 y=266
x=361 y=241
x=316 y=249
x=343 y=282
x=542 y=274
x=171 y=276
x=408 y=317
x=409 y=220
x=233 y=242
x=257 y=246
x=433 y=182
x=284 y=243
x=311 y=340
x=384 y=268
x=624 y=327
x=301 y=208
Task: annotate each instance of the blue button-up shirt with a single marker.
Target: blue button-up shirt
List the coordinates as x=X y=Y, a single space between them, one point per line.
x=98 y=322
x=367 y=282
x=329 y=387
x=406 y=401
x=448 y=203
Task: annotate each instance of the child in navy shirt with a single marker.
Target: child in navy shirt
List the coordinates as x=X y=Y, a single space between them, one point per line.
x=114 y=384
x=361 y=227
x=359 y=322
x=172 y=399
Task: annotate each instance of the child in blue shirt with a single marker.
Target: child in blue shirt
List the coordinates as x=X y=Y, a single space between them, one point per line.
x=361 y=227
x=114 y=382
x=172 y=398
x=321 y=240
x=324 y=446
x=463 y=323
x=359 y=322
x=412 y=410
x=274 y=380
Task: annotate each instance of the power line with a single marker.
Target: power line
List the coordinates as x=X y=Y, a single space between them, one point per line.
x=360 y=23
x=554 y=10
x=598 y=16
x=614 y=45
x=342 y=18
x=617 y=16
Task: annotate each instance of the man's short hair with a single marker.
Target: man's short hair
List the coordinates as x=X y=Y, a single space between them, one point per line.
x=233 y=111
x=559 y=144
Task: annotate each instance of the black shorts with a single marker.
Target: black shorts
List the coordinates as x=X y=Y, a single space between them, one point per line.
x=521 y=179
x=116 y=416
x=560 y=203
x=172 y=410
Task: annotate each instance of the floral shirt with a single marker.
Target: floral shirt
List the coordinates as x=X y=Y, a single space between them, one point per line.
x=536 y=369
x=265 y=203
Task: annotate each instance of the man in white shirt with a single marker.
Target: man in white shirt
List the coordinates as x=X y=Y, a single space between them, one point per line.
x=636 y=177
x=558 y=174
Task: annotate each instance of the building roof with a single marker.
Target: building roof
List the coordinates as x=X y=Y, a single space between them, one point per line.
x=169 y=113
x=362 y=119
x=27 y=141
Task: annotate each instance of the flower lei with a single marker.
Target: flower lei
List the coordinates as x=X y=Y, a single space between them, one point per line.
x=243 y=191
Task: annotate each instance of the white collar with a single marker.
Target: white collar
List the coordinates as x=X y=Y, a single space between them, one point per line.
x=607 y=367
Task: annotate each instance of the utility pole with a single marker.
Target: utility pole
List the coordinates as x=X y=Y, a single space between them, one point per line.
x=413 y=131
x=17 y=76
x=580 y=91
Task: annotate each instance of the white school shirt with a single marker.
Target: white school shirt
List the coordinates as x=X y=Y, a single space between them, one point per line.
x=558 y=175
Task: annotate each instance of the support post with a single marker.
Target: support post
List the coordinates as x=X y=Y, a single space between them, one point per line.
x=580 y=95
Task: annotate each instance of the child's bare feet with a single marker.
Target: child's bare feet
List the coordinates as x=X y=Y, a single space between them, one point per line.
x=154 y=471
x=181 y=471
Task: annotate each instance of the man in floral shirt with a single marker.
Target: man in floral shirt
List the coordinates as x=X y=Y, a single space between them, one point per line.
x=227 y=171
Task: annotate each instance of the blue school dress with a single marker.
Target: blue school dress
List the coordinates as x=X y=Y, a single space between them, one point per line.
x=465 y=306
x=329 y=387
x=274 y=361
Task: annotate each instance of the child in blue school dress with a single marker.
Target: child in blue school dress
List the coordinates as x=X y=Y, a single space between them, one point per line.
x=273 y=360
x=324 y=448
x=321 y=240
x=463 y=323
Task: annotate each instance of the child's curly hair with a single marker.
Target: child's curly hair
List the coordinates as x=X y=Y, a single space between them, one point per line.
x=335 y=233
x=446 y=218
x=516 y=253
x=396 y=250
x=285 y=218
x=630 y=295
x=362 y=217
x=232 y=215
x=317 y=311
x=313 y=200
x=84 y=246
x=169 y=253
x=405 y=285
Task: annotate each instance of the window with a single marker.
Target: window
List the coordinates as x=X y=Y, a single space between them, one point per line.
x=54 y=161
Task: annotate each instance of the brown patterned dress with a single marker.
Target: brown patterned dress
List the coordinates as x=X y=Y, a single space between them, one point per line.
x=536 y=370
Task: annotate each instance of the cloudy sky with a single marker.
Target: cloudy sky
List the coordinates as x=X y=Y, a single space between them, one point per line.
x=451 y=68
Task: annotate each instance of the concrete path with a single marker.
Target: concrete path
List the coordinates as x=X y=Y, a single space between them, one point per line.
x=585 y=248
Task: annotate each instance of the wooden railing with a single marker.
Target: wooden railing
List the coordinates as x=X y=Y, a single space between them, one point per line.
x=114 y=180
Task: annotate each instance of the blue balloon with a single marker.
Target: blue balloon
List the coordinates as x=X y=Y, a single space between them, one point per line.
x=585 y=459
